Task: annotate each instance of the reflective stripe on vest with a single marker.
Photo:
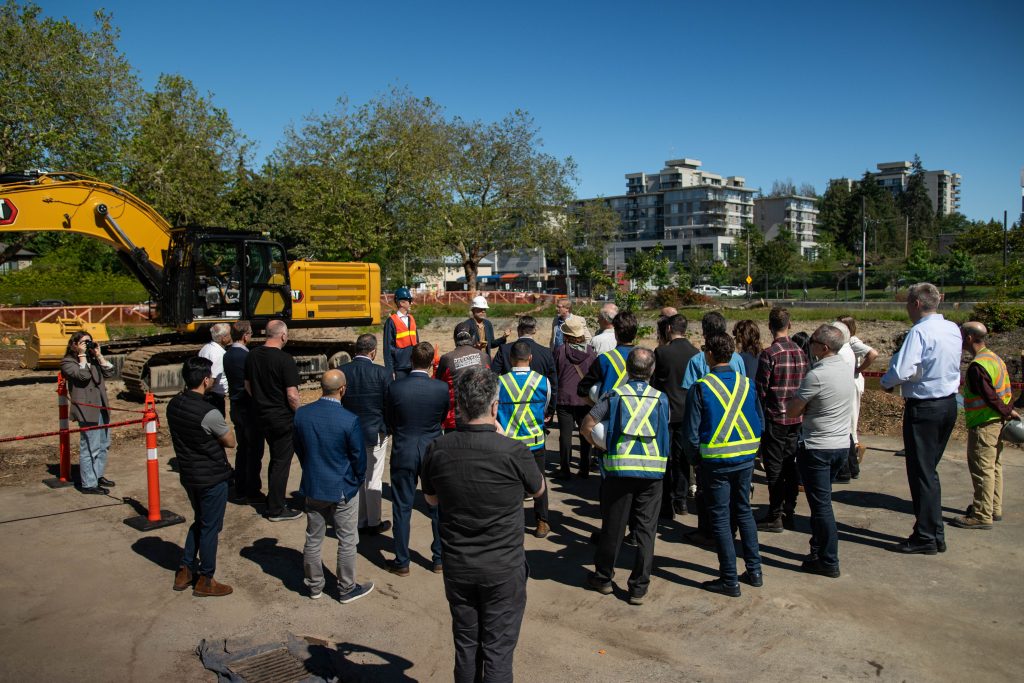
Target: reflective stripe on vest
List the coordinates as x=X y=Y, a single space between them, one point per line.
x=976 y=411
x=733 y=422
x=523 y=418
x=618 y=364
x=636 y=448
x=404 y=336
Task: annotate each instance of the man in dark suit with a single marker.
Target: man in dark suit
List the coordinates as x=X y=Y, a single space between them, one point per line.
x=480 y=326
x=416 y=407
x=366 y=396
x=543 y=362
x=670 y=361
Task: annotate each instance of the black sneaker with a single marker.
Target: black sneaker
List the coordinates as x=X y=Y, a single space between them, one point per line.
x=106 y=482
x=595 y=584
x=95 y=491
x=774 y=526
x=819 y=568
x=630 y=540
x=722 y=588
x=284 y=516
x=755 y=579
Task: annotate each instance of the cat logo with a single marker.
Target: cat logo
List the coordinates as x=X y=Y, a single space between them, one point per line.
x=296 y=296
x=8 y=212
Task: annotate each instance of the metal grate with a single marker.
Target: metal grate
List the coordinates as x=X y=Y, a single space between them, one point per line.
x=275 y=666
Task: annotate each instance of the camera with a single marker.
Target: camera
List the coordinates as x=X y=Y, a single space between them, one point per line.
x=91 y=346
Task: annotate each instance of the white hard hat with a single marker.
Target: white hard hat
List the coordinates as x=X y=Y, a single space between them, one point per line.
x=479 y=302
x=1013 y=432
x=594 y=394
x=598 y=436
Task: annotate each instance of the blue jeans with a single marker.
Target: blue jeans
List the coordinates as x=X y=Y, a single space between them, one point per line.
x=403 y=493
x=208 y=504
x=818 y=469
x=92 y=451
x=728 y=492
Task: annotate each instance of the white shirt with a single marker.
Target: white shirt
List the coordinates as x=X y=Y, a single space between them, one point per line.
x=214 y=353
x=928 y=365
x=861 y=351
x=604 y=342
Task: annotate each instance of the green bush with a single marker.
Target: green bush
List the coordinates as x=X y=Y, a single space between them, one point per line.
x=72 y=285
x=999 y=316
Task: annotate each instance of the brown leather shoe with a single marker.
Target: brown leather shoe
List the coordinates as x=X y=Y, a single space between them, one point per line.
x=542 y=529
x=395 y=569
x=182 y=578
x=207 y=587
x=438 y=568
x=860 y=452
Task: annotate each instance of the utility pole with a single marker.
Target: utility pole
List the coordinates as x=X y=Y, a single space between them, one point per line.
x=906 y=237
x=748 y=262
x=1006 y=245
x=863 y=250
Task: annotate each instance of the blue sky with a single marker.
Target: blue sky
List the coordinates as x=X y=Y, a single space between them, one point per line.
x=807 y=91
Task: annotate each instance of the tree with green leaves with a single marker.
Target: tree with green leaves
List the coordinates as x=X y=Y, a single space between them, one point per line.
x=589 y=227
x=67 y=95
x=961 y=268
x=836 y=213
x=358 y=184
x=500 y=188
x=916 y=205
x=184 y=154
x=778 y=260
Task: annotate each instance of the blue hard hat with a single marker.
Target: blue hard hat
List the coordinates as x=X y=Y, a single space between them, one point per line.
x=403 y=293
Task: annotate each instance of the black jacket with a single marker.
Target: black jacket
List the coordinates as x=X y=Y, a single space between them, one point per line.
x=366 y=394
x=670 y=361
x=543 y=363
x=417 y=405
x=492 y=343
x=201 y=459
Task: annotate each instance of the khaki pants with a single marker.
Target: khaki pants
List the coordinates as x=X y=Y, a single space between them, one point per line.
x=984 y=459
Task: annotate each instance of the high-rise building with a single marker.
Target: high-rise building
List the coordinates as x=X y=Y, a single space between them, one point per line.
x=943 y=186
x=685 y=209
x=792 y=212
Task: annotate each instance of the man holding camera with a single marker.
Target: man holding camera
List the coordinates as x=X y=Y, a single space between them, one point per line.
x=85 y=369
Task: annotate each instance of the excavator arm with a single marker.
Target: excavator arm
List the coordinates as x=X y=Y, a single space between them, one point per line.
x=69 y=202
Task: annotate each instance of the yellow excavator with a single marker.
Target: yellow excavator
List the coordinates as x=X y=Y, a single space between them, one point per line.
x=195 y=277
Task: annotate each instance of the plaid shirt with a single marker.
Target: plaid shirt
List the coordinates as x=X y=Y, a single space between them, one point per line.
x=781 y=369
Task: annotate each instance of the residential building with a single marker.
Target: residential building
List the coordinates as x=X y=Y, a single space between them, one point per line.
x=685 y=209
x=19 y=260
x=792 y=212
x=943 y=186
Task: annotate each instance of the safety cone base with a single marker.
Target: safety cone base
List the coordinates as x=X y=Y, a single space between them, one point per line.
x=57 y=483
x=143 y=523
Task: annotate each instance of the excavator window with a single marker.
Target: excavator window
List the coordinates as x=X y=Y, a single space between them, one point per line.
x=266 y=277
x=218 y=280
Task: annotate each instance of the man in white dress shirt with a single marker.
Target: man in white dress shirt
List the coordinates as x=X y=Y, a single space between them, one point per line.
x=214 y=351
x=927 y=370
x=605 y=340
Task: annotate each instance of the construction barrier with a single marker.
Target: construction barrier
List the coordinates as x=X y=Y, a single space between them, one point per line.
x=155 y=517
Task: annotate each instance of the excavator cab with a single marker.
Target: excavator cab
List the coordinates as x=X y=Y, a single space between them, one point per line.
x=213 y=276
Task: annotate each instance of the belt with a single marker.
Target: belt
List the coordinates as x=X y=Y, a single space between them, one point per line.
x=925 y=400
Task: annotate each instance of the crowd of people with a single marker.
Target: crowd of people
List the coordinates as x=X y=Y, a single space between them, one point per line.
x=666 y=430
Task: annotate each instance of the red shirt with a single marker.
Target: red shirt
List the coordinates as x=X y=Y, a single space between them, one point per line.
x=781 y=367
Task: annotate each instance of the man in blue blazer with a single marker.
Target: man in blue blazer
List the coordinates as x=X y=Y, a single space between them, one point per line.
x=416 y=407
x=329 y=439
x=366 y=395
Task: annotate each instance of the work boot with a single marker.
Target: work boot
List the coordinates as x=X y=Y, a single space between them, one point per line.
x=207 y=587
x=965 y=522
x=771 y=524
x=182 y=578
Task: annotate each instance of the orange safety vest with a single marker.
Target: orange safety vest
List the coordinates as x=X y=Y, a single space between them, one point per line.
x=405 y=337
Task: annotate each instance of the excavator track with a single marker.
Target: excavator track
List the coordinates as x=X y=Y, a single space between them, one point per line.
x=156 y=370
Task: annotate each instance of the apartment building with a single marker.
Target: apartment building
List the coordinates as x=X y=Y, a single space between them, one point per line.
x=943 y=186
x=685 y=209
x=793 y=212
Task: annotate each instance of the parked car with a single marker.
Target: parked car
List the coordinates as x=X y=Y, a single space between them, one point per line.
x=733 y=291
x=708 y=290
x=50 y=303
